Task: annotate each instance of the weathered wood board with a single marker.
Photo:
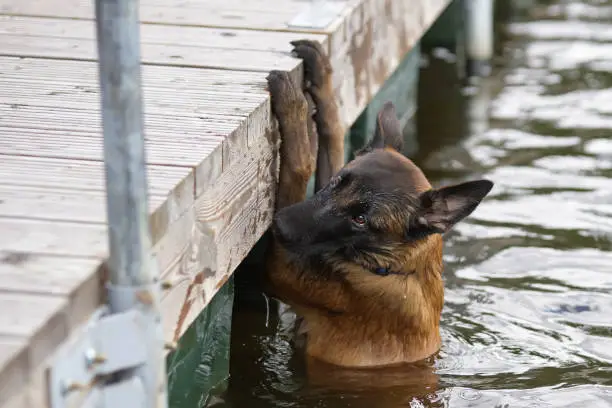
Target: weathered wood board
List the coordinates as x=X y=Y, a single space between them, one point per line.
x=245 y=50
x=253 y=14
x=200 y=125
x=211 y=149
x=366 y=41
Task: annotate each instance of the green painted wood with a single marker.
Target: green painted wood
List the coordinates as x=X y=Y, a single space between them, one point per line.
x=444 y=31
x=199 y=369
x=448 y=31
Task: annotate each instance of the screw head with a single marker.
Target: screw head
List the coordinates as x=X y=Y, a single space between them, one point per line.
x=92 y=357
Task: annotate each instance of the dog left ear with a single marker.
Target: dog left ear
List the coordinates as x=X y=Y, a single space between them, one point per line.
x=442 y=208
x=388 y=131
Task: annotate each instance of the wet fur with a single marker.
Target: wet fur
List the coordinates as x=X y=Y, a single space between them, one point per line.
x=323 y=262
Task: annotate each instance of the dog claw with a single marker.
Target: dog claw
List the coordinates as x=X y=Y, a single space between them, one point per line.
x=316 y=64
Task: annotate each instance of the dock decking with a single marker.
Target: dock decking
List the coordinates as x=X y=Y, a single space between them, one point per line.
x=210 y=138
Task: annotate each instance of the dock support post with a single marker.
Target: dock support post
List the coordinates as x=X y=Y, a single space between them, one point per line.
x=133 y=271
x=479 y=36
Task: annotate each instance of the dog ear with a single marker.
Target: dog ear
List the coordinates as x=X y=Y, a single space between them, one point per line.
x=442 y=208
x=388 y=131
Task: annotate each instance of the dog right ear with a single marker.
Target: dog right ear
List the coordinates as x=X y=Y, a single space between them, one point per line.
x=388 y=131
x=442 y=208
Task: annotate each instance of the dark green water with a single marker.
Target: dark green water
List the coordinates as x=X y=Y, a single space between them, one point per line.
x=528 y=314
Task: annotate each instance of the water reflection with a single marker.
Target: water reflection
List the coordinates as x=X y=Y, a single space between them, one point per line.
x=527 y=318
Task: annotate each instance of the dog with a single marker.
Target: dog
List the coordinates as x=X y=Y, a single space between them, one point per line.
x=360 y=261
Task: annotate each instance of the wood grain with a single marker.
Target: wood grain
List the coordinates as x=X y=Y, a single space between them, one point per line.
x=61 y=204
x=367 y=43
x=72 y=278
x=13 y=365
x=44 y=274
x=224 y=224
x=53 y=238
x=175 y=46
x=200 y=37
x=36 y=319
x=47 y=179
x=86 y=120
x=83 y=75
x=257 y=14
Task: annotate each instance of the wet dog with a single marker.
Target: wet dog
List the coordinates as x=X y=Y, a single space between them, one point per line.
x=361 y=260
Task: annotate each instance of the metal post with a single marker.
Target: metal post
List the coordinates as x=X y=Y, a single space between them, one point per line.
x=134 y=277
x=479 y=36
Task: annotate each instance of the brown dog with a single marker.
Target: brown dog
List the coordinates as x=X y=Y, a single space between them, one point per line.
x=361 y=260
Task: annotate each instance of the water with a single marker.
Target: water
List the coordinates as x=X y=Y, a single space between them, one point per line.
x=528 y=314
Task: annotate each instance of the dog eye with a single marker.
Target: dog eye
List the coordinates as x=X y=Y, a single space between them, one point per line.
x=360 y=220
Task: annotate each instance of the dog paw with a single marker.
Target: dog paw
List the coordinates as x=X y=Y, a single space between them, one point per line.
x=290 y=106
x=288 y=101
x=317 y=68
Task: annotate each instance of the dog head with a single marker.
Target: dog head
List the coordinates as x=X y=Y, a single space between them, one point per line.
x=377 y=210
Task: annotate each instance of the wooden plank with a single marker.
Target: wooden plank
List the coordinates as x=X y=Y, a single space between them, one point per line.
x=74 y=285
x=64 y=118
x=226 y=221
x=175 y=184
x=37 y=248
x=239 y=208
x=202 y=37
x=368 y=42
x=73 y=278
x=29 y=312
x=83 y=75
x=177 y=55
x=234 y=147
x=37 y=318
x=44 y=274
x=188 y=128
x=205 y=153
x=186 y=46
x=278 y=6
x=171 y=139
x=53 y=238
x=196 y=286
x=61 y=204
x=47 y=297
x=219 y=108
x=258 y=14
x=80 y=174
x=13 y=365
x=51 y=139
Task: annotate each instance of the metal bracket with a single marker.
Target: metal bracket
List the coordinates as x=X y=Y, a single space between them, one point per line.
x=107 y=344
x=318 y=14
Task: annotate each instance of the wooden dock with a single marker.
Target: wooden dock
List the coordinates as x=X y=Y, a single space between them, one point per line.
x=211 y=148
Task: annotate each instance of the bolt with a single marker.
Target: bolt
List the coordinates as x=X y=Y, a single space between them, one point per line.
x=69 y=386
x=170 y=345
x=93 y=358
